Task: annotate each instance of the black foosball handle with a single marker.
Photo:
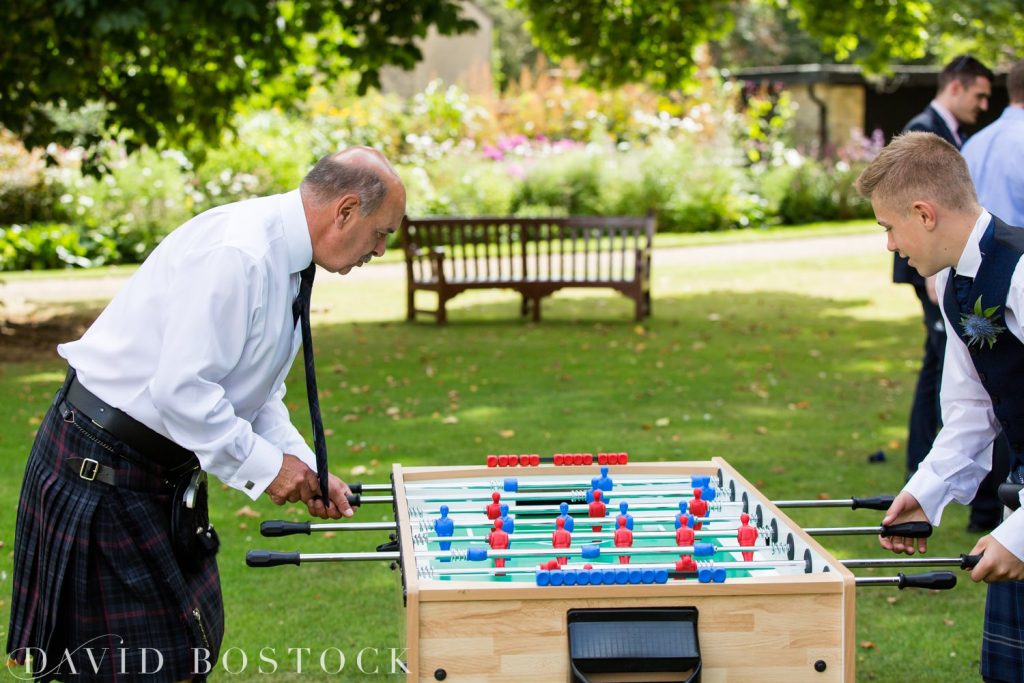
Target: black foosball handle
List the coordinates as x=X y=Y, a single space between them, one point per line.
x=937 y=581
x=874 y=503
x=969 y=561
x=270 y=558
x=280 y=527
x=354 y=500
x=907 y=530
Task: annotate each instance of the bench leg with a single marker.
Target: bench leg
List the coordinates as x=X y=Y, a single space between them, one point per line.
x=524 y=306
x=641 y=303
x=410 y=305
x=442 y=311
x=536 y=310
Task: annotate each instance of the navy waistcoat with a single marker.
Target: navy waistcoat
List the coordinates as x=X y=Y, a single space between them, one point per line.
x=1001 y=367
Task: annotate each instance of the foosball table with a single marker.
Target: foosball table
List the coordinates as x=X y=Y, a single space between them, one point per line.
x=596 y=570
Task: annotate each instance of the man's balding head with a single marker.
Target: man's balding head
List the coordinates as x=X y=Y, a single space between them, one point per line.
x=362 y=171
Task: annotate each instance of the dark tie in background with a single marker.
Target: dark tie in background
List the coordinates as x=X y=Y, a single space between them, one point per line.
x=300 y=312
x=962 y=288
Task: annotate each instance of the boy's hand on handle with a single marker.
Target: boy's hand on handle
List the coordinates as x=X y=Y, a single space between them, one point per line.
x=904 y=508
x=997 y=563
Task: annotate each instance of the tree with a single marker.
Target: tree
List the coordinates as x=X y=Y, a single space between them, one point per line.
x=631 y=40
x=170 y=72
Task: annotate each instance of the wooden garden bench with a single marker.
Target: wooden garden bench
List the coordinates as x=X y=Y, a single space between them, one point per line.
x=533 y=256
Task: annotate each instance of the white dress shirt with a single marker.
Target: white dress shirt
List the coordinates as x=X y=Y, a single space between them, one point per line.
x=962 y=452
x=951 y=121
x=196 y=346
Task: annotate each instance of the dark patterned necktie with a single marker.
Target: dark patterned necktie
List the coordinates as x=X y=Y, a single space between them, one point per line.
x=300 y=312
x=962 y=288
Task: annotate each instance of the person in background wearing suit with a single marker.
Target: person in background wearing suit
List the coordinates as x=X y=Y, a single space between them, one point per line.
x=965 y=85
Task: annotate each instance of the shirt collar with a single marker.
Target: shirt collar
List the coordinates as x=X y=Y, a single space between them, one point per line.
x=947 y=117
x=296 y=231
x=970 y=259
x=1013 y=113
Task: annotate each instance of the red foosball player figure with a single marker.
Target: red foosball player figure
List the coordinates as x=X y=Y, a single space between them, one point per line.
x=494 y=509
x=561 y=538
x=686 y=563
x=746 y=535
x=685 y=536
x=597 y=508
x=623 y=539
x=698 y=507
x=498 y=540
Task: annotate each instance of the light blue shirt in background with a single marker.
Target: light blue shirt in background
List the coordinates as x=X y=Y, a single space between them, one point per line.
x=995 y=156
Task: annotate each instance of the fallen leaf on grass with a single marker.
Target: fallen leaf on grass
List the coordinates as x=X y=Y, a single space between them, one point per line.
x=867 y=645
x=892 y=599
x=507 y=433
x=358 y=470
x=329 y=534
x=450 y=420
x=662 y=422
x=949 y=622
x=761 y=429
x=247 y=512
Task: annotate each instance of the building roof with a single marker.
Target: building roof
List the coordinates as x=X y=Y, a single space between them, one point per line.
x=899 y=75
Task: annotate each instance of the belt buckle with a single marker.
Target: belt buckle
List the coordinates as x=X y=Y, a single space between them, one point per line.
x=89 y=469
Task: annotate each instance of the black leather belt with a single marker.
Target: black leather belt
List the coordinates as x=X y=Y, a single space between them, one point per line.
x=156 y=447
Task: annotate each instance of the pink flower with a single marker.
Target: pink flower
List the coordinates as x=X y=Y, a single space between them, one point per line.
x=517 y=171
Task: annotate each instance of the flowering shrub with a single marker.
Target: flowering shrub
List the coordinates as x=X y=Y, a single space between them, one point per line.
x=547 y=147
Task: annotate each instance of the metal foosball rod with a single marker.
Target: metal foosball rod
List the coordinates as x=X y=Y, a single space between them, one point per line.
x=928 y=580
x=276 y=528
x=907 y=530
x=264 y=558
x=965 y=561
x=880 y=503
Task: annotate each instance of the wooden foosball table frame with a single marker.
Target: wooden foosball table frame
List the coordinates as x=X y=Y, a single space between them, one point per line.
x=787 y=628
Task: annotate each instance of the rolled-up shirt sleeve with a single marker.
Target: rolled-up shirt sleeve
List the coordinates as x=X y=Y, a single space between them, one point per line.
x=214 y=290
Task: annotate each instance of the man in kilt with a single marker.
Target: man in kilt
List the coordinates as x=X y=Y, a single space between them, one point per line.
x=115 y=576
x=921 y=192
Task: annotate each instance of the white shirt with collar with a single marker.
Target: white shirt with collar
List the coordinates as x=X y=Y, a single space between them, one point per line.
x=950 y=121
x=962 y=453
x=197 y=344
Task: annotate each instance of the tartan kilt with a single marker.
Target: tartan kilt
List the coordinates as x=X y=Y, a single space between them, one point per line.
x=96 y=586
x=1002 y=642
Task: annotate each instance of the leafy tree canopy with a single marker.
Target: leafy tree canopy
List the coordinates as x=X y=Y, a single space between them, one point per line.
x=171 y=72
x=629 y=40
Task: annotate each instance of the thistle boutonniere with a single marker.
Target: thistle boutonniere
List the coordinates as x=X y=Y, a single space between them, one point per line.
x=979 y=327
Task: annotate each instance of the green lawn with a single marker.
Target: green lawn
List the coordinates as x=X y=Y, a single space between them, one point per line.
x=794 y=371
